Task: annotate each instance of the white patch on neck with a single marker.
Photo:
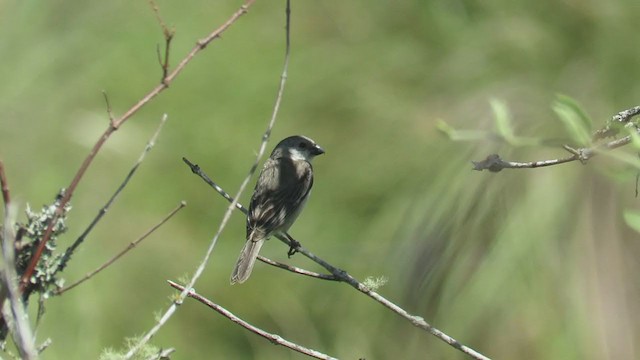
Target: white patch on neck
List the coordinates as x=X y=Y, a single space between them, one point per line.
x=296 y=154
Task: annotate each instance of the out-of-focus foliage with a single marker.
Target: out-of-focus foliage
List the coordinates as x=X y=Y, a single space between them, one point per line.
x=526 y=264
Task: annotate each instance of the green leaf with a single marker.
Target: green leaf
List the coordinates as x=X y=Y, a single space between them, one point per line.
x=632 y=218
x=577 y=109
x=503 y=120
x=575 y=121
x=635 y=138
x=460 y=135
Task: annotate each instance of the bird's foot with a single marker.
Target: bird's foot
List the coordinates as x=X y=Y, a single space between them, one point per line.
x=293 y=248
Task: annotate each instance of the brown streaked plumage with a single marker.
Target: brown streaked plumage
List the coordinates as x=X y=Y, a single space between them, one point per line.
x=280 y=194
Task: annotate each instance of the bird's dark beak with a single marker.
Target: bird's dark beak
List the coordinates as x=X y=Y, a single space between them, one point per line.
x=317 y=150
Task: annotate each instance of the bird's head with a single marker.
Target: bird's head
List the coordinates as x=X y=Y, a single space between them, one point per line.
x=297 y=147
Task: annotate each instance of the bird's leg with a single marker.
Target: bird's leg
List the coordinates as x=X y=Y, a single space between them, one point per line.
x=293 y=245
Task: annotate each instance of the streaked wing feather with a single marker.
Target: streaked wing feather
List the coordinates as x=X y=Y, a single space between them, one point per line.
x=282 y=188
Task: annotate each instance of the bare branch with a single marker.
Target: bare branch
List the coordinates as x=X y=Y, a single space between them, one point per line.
x=6 y=196
x=21 y=330
x=114 y=125
x=109 y=111
x=67 y=254
x=163 y=354
x=168 y=36
x=171 y=310
x=297 y=270
x=275 y=339
x=621 y=120
x=343 y=276
x=617 y=121
x=123 y=252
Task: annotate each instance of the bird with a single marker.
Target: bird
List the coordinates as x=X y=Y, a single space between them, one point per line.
x=280 y=194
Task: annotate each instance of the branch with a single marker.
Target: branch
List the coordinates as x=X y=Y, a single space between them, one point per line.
x=123 y=252
x=494 y=162
x=22 y=334
x=168 y=36
x=6 y=197
x=343 y=276
x=265 y=137
x=114 y=125
x=108 y=104
x=67 y=254
x=297 y=270
x=275 y=339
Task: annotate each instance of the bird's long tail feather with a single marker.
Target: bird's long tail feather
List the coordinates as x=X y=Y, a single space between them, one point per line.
x=246 y=260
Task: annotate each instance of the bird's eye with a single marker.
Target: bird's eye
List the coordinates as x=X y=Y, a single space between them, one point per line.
x=302 y=145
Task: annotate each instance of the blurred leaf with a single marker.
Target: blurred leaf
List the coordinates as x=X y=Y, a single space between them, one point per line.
x=505 y=128
x=503 y=120
x=461 y=135
x=626 y=158
x=632 y=218
x=577 y=108
x=576 y=122
x=635 y=138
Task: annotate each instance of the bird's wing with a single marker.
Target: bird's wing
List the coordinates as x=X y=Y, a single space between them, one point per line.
x=281 y=191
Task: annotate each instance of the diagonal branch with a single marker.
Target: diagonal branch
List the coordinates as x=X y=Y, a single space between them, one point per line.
x=343 y=276
x=297 y=270
x=275 y=339
x=123 y=252
x=115 y=124
x=67 y=254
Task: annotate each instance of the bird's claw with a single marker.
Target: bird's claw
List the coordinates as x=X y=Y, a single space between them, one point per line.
x=293 y=248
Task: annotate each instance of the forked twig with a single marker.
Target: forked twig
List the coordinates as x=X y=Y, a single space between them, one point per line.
x=275 y=339
x=129 y=247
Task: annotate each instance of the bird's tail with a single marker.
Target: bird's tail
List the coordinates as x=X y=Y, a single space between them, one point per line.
x=246 y=260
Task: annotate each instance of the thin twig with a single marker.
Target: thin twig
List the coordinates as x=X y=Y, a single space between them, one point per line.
x=275 y=339
x=297 y=270
x=6 y=195
x=494 y=162
x=109 y=110
x=44 y=345
x=168 y=36
x=22 y=334
x=163 y=354
x=123 y=252
x=617 y=121
x=67 y=254
x=172 y=309
x=343 y=276
x=114 y=125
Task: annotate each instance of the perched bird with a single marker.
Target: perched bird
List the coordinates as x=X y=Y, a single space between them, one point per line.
x=281 y=192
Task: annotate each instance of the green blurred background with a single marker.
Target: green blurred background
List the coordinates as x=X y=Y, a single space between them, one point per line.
x=529 y=264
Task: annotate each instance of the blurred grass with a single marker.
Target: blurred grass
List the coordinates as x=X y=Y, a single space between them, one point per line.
x=521 y=264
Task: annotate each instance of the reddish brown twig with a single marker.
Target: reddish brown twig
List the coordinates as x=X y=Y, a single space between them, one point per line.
x=114 y=125
x=6 y=197
x=168 y=36
x=275 y=339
